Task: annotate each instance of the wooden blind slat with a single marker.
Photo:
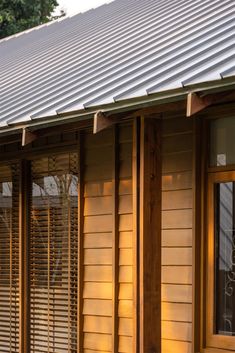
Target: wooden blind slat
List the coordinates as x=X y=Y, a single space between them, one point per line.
x=53 y=254
x=9 y=258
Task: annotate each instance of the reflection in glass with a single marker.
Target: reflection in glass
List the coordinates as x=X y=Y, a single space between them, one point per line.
x=54 y=254
x=222 y=147
x=225 y=258
x=9 y=259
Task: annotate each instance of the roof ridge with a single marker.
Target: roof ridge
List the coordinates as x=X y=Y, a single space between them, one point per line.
x=49 y=23
x=26 y=31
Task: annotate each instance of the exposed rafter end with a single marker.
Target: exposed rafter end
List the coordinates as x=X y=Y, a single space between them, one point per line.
x=28 y=136
x=102 y=122
x=195 y=103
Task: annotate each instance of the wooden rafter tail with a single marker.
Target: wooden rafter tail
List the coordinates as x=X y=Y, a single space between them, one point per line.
x=195 y=103
x=102 y=122
x=28 y=136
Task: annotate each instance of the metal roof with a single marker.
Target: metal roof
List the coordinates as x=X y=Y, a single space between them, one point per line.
x=119 y=51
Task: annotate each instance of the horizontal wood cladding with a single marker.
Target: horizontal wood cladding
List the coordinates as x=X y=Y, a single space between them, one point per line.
x=176 y=256
x=177 y=237
x=177 y=274
x=177 y=199
x=97 y=307
x=108 y=263
x=174 y=346
x=177 y=293
x=177 y=223
x=176 y=312
x=181 y=331
x=177 y=219
x=177 y=180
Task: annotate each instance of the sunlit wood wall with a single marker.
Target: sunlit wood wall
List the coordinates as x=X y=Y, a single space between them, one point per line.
x=108 y=287
x=177 y=224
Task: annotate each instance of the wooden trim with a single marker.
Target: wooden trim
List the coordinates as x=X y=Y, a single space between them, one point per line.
x=150 y=236
x=135 y=173
x=115 y=255
x=160 y=108
x=37 y=152
x=203 y=229
x=215 y=350
x=24 y=261
x=80 y=320
x=226 y=168
x=212 y=339
x=69 y=277
x=197 y=153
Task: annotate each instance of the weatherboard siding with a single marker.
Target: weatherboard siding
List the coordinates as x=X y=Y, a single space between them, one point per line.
x=177 y=217
x=98 y=291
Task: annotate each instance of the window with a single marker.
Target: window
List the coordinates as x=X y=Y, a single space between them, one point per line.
x=53 y=254
x=9 y=259
x=222 y=146
x=220 y=278
x=68 y=245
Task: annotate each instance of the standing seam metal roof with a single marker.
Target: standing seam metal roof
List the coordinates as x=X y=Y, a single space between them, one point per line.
x=121 y=50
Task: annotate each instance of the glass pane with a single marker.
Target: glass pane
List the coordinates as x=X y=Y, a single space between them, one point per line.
x=53 y=258
x=222 y=146
x=9 y=259
x=225 y=258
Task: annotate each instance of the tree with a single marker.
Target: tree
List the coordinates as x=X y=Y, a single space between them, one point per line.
x=19 y=15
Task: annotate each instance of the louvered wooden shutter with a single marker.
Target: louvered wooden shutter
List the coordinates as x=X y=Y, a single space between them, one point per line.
x=9 y=259
x=53 y=256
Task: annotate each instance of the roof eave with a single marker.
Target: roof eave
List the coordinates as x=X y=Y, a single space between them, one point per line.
x=122 y=106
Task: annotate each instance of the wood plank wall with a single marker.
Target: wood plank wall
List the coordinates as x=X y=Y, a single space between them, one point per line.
x=99 y=286
x=177 y=222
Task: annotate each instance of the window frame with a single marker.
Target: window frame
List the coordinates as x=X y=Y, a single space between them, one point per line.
x=214 y=340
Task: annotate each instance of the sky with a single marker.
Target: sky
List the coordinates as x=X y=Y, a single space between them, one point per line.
x=74 y=6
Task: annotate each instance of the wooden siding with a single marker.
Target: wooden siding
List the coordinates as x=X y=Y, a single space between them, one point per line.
x=100 y=288
x=177 y=223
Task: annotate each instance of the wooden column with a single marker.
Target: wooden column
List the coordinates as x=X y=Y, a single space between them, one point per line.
x=115 y=262
x=135 y=240
x=24 y=221
x=80 y=321
x=150 y=236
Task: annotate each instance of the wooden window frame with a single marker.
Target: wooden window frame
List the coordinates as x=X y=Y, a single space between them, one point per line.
x=214 y=341
x=148 y=159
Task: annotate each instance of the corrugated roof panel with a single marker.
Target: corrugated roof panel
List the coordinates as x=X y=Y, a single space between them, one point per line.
x=228 y=72
x=122 y=50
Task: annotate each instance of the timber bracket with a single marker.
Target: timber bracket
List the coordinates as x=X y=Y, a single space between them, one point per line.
x=102 y=121
x=28 y=136
x=196 y=103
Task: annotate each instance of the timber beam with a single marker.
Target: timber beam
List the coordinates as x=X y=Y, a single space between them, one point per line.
x=28 y=135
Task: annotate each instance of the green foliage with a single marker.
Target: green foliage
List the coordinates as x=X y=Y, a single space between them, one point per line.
x=19 y=15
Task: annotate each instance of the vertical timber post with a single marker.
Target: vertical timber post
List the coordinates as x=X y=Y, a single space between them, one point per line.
x=24 y=221
x=135 y=241
x=150 y=235
x=80 y=334
x=115 y=260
